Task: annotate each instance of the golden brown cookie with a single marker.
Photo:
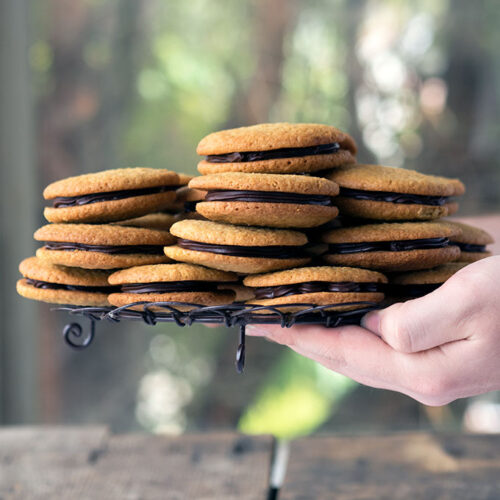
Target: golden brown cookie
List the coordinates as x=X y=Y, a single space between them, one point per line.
x=269 y=200
x=390 y=193
x=185 y=203
x=186 y=283
x=101 y=246
x=242 y=292
x=276 y=148
x=415 y=284
x=235 y=248
x=63 y=285
x=110 y=195
x=184 y=178
x=170 y=273
x=317 y=286
x=472 y=241
x=161 y=221
x=392 y=246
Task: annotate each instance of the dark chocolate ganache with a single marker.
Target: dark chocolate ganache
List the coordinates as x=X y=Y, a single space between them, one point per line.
x=388 y=246
x=469 y=247
x=270 y=252
x=400 y=198
x=171 y=286
x=268 y=197
x=76 y=288
x=110 y=249
x=87 y=199
x=412 y=290
x=274 y=154
x=271 y=292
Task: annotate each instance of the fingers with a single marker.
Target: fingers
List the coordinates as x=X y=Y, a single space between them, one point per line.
x=367 y=359
x=349 y=350
x=442 y=316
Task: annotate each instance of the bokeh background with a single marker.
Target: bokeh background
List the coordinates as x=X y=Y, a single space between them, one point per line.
x=96 y=84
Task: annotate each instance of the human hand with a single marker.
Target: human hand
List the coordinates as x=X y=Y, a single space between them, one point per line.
x=437 y=348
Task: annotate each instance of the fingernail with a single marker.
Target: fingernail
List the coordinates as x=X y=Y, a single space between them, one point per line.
x=371 y=321
x=256 y=331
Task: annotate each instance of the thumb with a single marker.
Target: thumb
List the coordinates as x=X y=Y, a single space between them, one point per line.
x=423 y=323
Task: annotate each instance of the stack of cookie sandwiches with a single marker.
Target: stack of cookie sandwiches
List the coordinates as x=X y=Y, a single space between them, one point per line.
x=263 y=187
x=281 y=216
x=98 y=223
x=393 y=221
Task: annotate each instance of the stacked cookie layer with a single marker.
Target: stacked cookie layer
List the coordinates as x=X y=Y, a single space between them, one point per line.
x=261 y=190
x=281 y=216
x=99 y=223
x=392 y=221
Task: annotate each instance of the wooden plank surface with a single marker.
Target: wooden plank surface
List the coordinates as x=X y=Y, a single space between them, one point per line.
x=46 y=462
x=416 y=466
x=90 y=464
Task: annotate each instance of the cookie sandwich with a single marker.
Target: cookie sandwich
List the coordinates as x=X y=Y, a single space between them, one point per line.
x=242 y=292
x=280 y=148
x=419 y=283
x=269 y=200
x=185 y=283
x=391 y=193
x=110 y=195
x=101 y=246
x=159 y=220
x=404 y=246
x=239 y=249
x=472 y=242
x=63 y=285
x=187 y=199
x=316 y=286
x=176 y=207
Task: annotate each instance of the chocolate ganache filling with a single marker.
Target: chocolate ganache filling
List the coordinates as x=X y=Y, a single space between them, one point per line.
x=469 y=247
x=270 y=252
x=400 y=198
x=190 y=206
x=109 y=249
x=413 y=290
x=87 y=199
x=275 y=154
x=388 y=246
x=268 y=197
x=75 y=288
x=271 y=292
x=170 y=287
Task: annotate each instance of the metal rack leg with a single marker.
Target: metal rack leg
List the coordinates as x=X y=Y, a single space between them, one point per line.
x=240 y=352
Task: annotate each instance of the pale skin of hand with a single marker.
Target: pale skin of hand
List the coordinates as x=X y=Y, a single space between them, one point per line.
x=435 y=349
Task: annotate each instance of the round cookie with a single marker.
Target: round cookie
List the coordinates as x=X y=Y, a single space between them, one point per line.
x=472 y=241
x=317 y=286
x=171 y=283
x=280 y=148
x=184 y=179
x=395 y=246
x=390 y=193
x=242 y=292
x=187 y=198
x=176 y=207
x=419 y=283
x=101 y=246
x=47 y=282
x=246 y=250
x=161 y=221
x=110 y=195
x=269 y=200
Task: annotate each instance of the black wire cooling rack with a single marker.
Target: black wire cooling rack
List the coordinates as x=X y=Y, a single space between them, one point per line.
x=240 y=315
